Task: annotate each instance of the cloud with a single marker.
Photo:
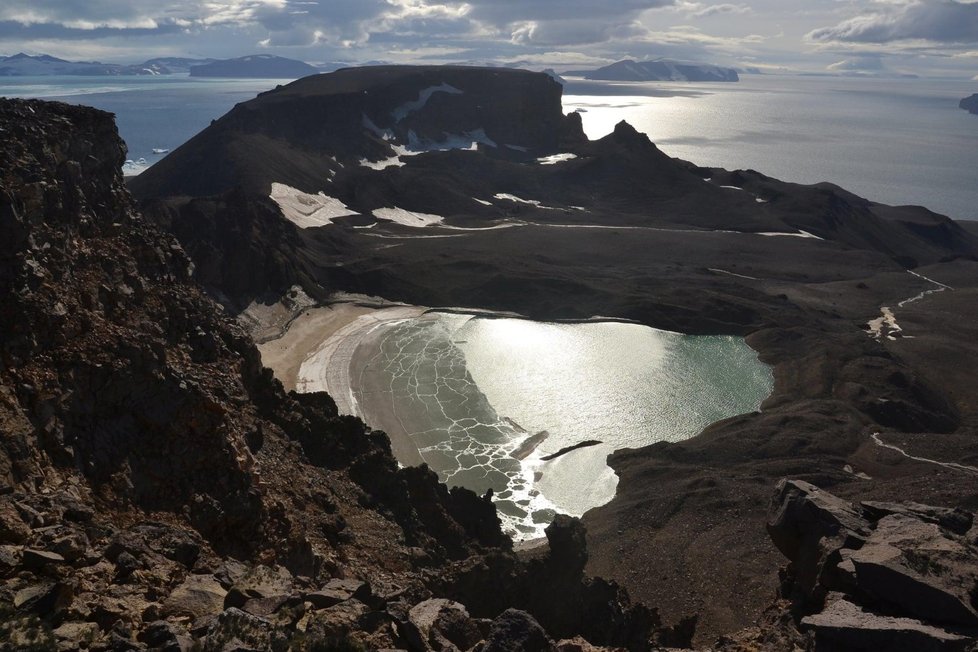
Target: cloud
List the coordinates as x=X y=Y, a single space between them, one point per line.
x=935 y=21
x=859 y=63
x=713 y=10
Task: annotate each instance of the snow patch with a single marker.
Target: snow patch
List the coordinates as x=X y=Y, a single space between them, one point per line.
x=407 y=218
x=305 y=210
x=408 y=108
x=884 y=325
x=529 y=202
x=482 y=201
x=133 y=168
x=723 y=271
x=555 y=159
x=799 y=234
x=392 y=162
x=468 y=141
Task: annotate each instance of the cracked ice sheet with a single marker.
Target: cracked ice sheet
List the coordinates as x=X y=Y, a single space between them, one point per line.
x=411 y=380
x=305 y=210
x=327 y=367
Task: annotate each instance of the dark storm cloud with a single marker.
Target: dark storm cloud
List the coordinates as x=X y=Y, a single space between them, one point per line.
x=939 y=21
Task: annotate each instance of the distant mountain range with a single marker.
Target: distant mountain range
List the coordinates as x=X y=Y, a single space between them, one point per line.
x=258 y=65
x=659 y=70
x=21 y=65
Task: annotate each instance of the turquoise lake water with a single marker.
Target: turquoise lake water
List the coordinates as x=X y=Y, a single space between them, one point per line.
x=470 y=390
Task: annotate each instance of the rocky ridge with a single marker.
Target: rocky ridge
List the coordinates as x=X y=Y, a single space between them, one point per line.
x=970 y=104
x=158 y=489
x=877 y=575
x=659 y=70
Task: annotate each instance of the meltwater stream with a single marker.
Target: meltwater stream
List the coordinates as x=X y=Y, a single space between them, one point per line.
x=472 y=394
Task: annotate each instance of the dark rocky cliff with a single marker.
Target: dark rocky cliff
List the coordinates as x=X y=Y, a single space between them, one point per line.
x=159 y=490
x=970 y=104
x=303 y=133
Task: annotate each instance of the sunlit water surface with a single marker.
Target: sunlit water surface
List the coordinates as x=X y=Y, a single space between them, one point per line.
x=896 y=141
x=470 y=390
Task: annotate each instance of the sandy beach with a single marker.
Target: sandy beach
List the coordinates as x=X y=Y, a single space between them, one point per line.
x=316 y=353
x=285 y=354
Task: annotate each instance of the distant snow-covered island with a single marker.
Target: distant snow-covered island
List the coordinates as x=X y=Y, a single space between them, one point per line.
x=970 y=104
x=256 y=66
x=659 y=70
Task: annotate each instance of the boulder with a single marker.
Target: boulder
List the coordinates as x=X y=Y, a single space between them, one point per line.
x=236 y=630
x=810 y=526
x=955 y=520
x=844 y=626
x=45 y=599
x=913 y=565
x=197 y=596
x=161 y=635
x=69 y=635
x=265 y=607
x=517 y=631
x=336 y=591
x=258 y=582
x=38 y=559
x=440 y=624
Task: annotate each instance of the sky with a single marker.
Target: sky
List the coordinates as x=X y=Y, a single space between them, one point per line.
x=921 y=37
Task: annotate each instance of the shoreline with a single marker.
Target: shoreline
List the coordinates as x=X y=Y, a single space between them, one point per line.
x=317 y=348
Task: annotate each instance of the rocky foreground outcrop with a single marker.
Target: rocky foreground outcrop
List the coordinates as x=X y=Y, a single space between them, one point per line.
x=158 y=489
x=877 y=575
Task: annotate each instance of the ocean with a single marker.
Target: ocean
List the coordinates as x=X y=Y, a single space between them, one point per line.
x=897 y=141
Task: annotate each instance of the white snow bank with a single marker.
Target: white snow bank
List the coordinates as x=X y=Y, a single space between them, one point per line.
x=885 y=324
x=407 y=218
x=133 y=168
x=519 y=200
x=305 y=210
x=468 y=141
x=408 y=108
x=799 y=234
x=555 y=159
